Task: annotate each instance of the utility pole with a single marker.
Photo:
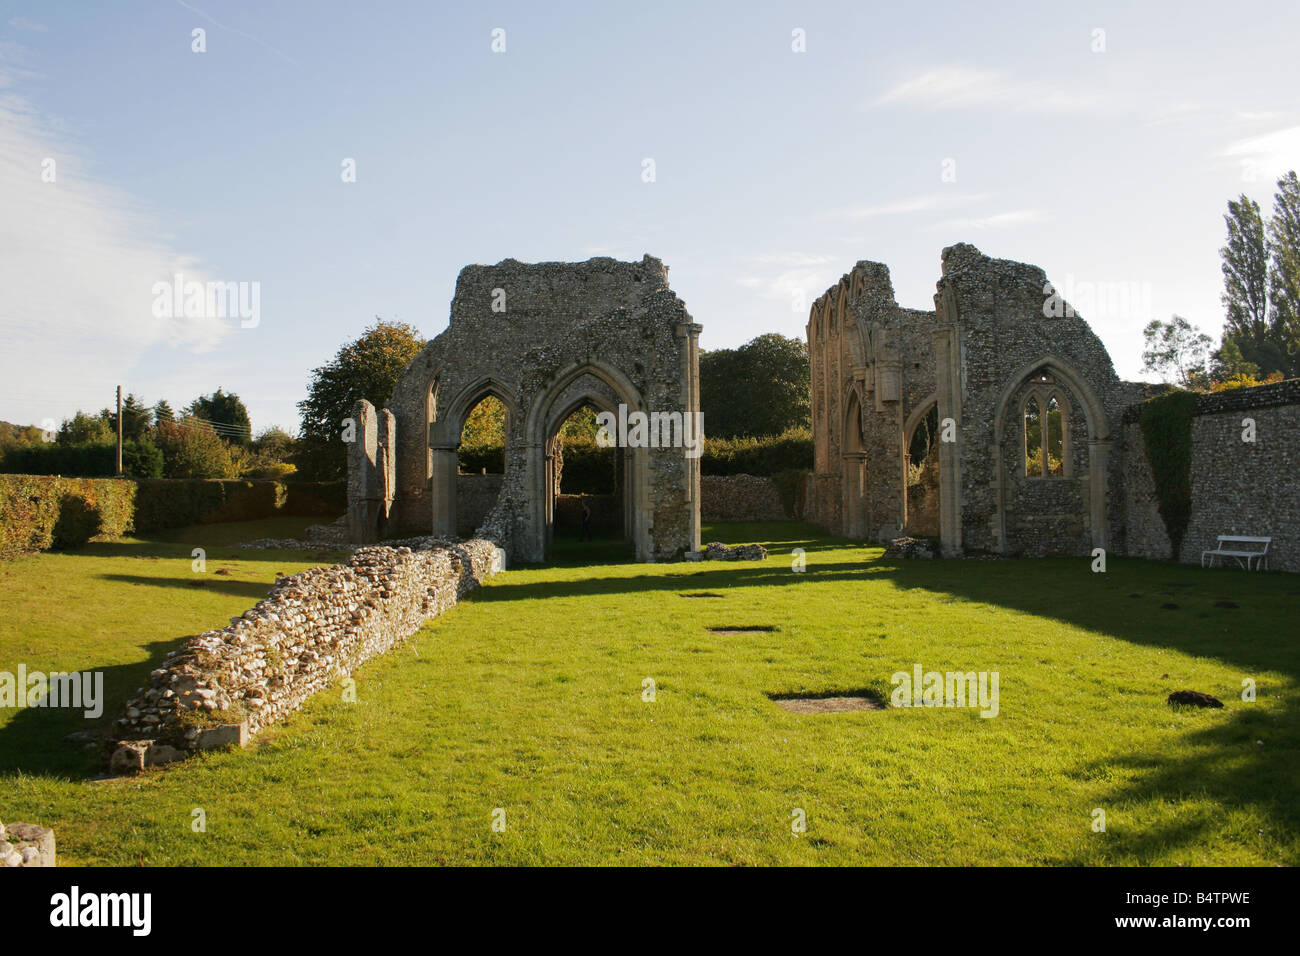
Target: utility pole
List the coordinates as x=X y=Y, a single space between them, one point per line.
x=119 y=431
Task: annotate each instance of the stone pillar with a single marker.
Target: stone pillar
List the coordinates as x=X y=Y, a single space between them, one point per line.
x=689 y=333
x=386 y=466
x=363 y=475
x=948 y=380
x=1098 y=463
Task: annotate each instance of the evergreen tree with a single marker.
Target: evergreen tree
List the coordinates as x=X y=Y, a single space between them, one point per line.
x=1284 y=273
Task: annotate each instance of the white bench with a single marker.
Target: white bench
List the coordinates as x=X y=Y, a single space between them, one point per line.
x=1244 y=558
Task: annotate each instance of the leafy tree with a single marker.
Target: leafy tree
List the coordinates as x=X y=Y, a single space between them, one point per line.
x=274 y=441
x=1284 y=272
x=760 y=388
x=191 y=449
x=366 y=368
x=485 y=426
x=1177 y=350
x=270 y=455
x=83 y=429
x=226 y=414
x=162 y=412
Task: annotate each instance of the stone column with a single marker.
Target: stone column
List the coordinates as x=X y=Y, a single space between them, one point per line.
x=1098 y=459
x=363 y=477
x=948 y=381
x=689 y=333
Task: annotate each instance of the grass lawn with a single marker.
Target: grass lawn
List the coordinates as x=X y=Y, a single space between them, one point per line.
x=528 y=698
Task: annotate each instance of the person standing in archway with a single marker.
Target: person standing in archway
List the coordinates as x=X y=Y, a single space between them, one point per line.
x=585 y=533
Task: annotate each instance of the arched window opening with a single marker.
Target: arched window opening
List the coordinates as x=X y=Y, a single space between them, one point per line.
x=1033 y=439
x=483 y=438
x=1046 y=431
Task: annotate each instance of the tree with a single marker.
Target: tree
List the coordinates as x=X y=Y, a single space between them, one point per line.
x=83 y=429
x=485 y=425
x=1245 y=270
x=191 y=449
x=366 y=368
x=760 y=388
x=142 y=459
x=1228 y=362
x=271 y=454
x=226 y=414
x=162 y=412
x=1177 y=350
x=136 y=418
x=1284 y=272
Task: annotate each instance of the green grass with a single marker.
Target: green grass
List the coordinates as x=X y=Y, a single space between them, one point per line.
x=528 y=697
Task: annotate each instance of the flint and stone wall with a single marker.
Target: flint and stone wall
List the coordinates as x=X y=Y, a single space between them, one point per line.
x=1238 y=487
x=740 y=498
x=313 y=628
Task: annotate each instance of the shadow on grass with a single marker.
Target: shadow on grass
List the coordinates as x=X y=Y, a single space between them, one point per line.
x=255 y=590
x=33 y=741
x=1244 y=757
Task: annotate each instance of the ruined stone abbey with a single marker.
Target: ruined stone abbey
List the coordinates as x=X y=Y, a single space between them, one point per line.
x=995 y=423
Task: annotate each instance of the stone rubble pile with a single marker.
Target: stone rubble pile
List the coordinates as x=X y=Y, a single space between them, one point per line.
x=717 y=551
x=313 y=628
x=911 y=548
x=26 y=844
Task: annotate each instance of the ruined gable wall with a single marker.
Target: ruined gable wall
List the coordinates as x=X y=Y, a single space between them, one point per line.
x=997 y=309
x=621 y=314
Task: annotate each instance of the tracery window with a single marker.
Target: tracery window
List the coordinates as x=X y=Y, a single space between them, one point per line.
x=1046 y=415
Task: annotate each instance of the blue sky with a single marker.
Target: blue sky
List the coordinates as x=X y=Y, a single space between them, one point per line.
x=775 y=170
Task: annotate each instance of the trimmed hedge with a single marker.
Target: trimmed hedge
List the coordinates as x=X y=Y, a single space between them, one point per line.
x=587 y=465
x=38 y=512
x=769 y=456
x=140 y=459
x=315 y=498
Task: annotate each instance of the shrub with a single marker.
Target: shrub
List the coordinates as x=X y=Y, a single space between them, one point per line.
x=1166 y=422
x=193 y=450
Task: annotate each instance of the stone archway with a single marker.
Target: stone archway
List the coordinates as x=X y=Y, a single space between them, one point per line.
x=543 y=338
x=605 y=388
x=444 y=444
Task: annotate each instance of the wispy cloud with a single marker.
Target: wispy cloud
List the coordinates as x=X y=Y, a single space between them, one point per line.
x=247 y=36
x=1268 y=155
x=955 y=87
x=77 y=266
x=799 y=277
x=929 y=203
x=22 y=23
x=1014 y=217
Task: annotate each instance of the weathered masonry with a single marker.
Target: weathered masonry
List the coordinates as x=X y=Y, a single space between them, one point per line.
x=545 y=339
x=990 y=422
